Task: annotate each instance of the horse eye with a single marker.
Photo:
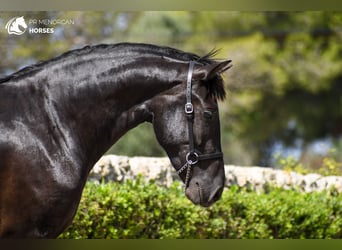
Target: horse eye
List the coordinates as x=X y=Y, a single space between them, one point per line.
x=208 y=114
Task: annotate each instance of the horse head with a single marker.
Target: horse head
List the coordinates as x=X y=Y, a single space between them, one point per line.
x=186 y=124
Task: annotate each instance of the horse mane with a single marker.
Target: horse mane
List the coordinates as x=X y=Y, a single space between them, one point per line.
x=215 y=88
x=32 y=69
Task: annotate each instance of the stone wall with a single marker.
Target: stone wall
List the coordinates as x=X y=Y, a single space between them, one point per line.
x=121 y=168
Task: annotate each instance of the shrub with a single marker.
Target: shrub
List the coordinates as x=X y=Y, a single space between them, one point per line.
x=137 y=209
x=330 y=164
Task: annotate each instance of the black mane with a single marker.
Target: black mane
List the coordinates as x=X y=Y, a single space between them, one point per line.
x=216 y=90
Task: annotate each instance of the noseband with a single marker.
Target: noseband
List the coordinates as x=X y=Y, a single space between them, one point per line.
x=193 y=156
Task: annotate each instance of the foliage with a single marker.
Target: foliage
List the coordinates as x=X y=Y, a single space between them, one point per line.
x=331 y=167
x=330 y=164
x=137 y=209
x=290 y=164
x=285 y=83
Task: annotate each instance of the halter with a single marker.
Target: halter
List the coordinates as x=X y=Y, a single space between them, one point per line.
x=193 y=156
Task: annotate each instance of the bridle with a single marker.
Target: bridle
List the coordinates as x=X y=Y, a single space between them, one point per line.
x=193 y=156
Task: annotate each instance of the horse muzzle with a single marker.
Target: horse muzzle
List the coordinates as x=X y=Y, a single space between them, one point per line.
x=203 y=194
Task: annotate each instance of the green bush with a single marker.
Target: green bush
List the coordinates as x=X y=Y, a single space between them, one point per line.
x=137 y=209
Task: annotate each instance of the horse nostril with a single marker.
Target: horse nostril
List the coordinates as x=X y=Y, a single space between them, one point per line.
x=216 y=195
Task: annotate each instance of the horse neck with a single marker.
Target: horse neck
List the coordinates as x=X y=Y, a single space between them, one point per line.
x=100 y=101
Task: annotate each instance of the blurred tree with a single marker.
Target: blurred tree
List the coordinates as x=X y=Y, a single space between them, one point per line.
x=286 y=84
x=164 y=28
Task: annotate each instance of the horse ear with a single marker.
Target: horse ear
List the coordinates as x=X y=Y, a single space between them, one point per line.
x=207 y=72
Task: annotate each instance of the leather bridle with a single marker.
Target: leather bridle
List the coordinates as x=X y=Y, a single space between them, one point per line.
x=193 y=156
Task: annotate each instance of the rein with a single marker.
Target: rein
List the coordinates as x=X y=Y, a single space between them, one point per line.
x=193 y=156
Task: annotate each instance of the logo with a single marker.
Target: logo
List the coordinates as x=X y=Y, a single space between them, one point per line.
x=16 y=26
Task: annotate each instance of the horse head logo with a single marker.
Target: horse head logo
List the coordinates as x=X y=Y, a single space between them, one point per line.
x=16 y=26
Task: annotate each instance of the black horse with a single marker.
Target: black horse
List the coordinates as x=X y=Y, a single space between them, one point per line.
x=58 y=117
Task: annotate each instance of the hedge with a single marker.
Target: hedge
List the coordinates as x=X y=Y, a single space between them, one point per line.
x=136 y=209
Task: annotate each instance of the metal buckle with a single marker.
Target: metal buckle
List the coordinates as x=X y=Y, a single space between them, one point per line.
x=189 y=108
x=193 y=156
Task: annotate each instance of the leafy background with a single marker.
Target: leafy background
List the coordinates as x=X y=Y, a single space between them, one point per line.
x=284 y=105
x=140 y=210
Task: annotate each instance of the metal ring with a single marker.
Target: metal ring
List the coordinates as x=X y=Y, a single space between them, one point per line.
x=189 y=108
x=191 y=161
